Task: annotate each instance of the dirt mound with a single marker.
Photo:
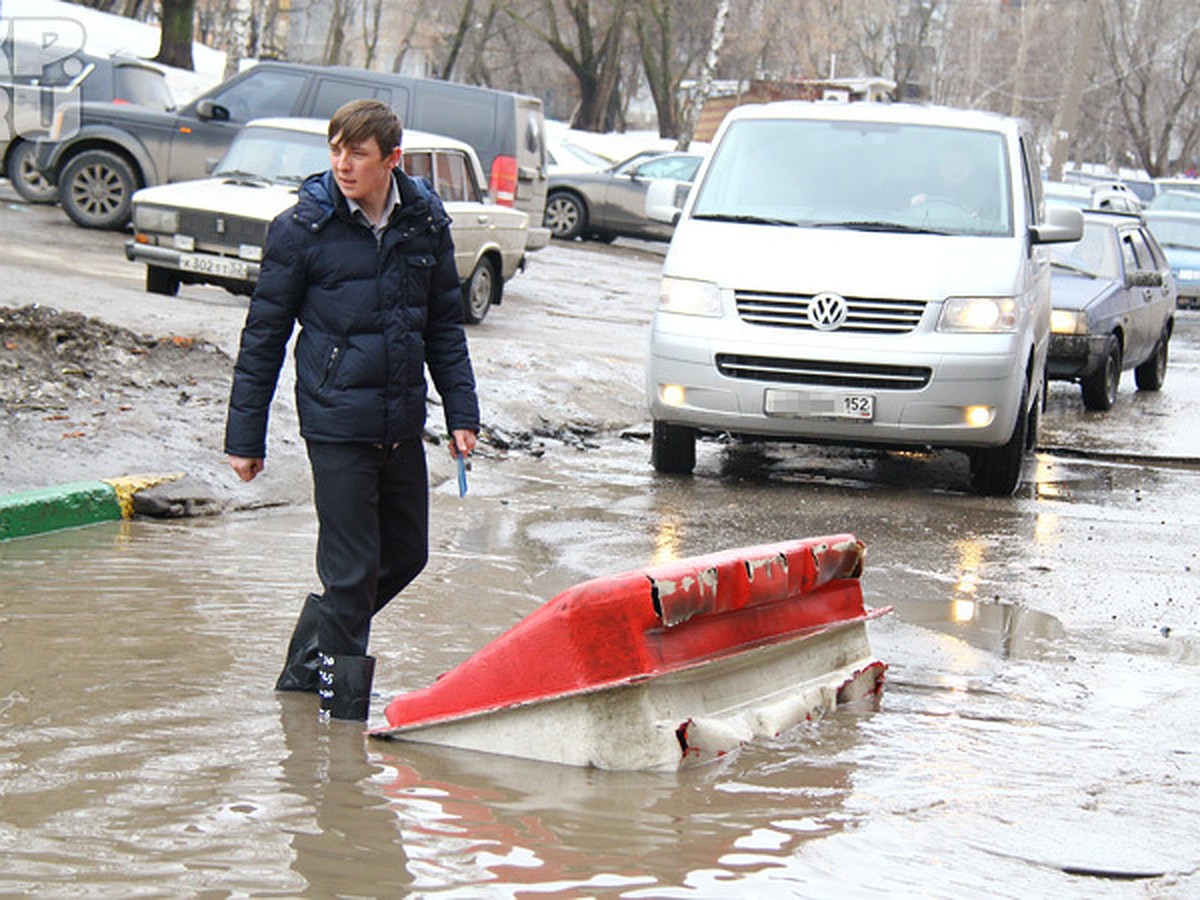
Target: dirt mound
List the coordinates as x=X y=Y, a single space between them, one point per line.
x=83 y=399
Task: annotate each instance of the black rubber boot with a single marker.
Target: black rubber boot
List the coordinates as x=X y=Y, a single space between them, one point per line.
x=300 y=671
x=345 y=689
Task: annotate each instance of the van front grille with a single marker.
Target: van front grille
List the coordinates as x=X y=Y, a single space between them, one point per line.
x=872 y=315
x=824 y=373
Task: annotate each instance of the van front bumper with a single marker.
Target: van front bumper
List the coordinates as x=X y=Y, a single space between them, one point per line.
x=959 y=372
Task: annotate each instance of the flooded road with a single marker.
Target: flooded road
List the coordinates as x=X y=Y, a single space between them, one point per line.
x=1037 y=736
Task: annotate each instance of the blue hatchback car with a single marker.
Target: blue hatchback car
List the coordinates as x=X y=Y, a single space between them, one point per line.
x=1113 y=308
x=1179 y=235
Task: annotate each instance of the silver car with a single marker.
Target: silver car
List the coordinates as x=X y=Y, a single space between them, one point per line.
x=211 y=231
x=634 y=198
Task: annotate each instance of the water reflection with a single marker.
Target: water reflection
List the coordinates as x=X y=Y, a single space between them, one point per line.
x=353 y=839
x=514 y=824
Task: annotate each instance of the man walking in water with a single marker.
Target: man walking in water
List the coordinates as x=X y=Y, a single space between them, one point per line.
x=364 y=262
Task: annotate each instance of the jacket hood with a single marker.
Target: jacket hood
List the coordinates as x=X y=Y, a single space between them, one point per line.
x=321 y=199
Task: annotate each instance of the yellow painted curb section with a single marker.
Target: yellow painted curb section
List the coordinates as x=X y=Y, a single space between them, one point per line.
x=129 y=485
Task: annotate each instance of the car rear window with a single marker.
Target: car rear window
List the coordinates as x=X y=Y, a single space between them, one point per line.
x=142 y=87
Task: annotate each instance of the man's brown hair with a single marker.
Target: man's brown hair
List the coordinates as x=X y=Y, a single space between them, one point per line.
x=359 y=120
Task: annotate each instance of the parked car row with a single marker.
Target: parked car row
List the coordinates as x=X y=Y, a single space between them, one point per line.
x=98 y=156
x=212 y=231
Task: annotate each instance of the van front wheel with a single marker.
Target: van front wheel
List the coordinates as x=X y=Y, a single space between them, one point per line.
x=673 y=449
x=996 y=471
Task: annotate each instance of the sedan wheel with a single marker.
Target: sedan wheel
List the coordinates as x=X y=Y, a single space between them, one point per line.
x=565 y=215
x=1151 y=374
x=25 y=177
x=96 y=190
x=481 y=291
x=1100 y=388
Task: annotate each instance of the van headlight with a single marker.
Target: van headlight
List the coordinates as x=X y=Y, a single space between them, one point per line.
x=693 y=298
x=155 y=218
x=981 y=315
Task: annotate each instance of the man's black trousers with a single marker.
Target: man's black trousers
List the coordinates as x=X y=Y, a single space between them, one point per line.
x=373 y=533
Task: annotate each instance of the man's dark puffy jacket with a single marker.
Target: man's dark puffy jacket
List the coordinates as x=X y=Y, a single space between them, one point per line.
x=372 y=315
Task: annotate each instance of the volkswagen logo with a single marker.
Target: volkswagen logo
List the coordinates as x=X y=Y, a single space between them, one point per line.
x=827 y=312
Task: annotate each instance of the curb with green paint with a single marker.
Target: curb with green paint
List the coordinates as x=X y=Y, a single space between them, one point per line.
x=71 y=505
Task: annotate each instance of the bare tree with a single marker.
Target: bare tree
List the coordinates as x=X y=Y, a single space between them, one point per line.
x=590 y=45
x=372 y=13
x=706 y=74
x=672 y=37
x=1153 y=50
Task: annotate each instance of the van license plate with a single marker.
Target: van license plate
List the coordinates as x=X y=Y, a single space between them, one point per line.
x=214 y=265
x=797 y=405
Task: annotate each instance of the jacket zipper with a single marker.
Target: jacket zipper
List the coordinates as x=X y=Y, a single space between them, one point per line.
x=333 y=357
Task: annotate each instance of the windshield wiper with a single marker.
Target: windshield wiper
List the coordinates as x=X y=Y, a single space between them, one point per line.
x=857 y=225
x=1059 y=264
x=239 y=175
x=749 y=220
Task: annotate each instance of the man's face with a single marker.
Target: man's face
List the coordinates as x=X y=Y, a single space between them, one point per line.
x=361 y=170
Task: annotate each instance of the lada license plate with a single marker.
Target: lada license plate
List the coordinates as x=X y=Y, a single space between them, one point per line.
x=798 y=405
x=214 y=265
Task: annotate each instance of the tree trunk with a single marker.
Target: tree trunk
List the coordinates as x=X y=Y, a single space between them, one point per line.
x=178 y=21
x=706 y=76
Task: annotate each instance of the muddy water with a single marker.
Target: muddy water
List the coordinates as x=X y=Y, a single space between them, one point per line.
x=1037 y=736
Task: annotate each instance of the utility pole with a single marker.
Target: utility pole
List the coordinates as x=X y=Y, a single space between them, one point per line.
x=1067 y=117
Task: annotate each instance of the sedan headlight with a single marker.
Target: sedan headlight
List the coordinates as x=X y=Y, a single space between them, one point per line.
x=695 y=298
x=979 y=314
x=1068 y=321
x=1189 y=275
x=155 y=218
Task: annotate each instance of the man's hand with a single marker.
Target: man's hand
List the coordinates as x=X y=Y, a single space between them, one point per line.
x=462 y=442
x=247 y=466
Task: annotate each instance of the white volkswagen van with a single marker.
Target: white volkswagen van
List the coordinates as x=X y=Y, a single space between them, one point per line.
x=861 y=274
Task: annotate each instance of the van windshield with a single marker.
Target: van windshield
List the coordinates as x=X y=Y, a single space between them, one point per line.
x=875 y=176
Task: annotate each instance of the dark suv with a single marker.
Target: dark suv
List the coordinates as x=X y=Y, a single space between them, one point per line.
x=89 y=79
x=117 y=150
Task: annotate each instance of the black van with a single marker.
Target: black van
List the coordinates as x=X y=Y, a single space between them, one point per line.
x=124 y=148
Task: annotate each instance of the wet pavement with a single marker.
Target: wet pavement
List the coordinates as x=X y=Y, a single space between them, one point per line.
x=1037 y=734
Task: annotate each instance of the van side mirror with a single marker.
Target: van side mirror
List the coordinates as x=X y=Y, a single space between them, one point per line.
x=1063 y=225
x=207 y=109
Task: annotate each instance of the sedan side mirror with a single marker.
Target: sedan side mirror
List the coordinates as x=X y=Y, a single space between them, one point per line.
x=1145 y=279
x=207 y=109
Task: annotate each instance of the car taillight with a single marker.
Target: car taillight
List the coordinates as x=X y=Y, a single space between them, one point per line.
x=503 y=184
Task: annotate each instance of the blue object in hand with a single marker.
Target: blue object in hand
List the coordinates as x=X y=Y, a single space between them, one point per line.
x=462 y=475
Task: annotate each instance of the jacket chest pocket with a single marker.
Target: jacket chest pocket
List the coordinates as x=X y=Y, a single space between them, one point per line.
x=418 y=277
